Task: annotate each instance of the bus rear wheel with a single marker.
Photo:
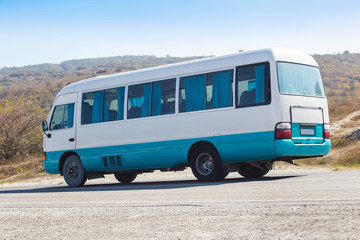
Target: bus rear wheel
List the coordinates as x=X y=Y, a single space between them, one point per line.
x=74 y=172
x=125 y=177
x=248 y=171
x=206 y=164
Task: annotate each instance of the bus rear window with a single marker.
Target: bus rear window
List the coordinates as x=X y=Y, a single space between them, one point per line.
x=297 y=79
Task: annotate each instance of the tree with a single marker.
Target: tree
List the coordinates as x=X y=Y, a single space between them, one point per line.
x=20 y=128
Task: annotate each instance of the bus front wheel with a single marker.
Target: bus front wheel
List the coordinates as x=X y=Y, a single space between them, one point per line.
x=125 y=177
x=74 y=172
x=206 y=164
x=248 y=171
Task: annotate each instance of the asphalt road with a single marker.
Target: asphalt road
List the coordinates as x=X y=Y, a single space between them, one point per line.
x=282 y=205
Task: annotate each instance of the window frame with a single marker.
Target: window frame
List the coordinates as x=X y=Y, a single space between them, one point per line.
x=159 y=81
x=151 y=92
x=102 y=108
x=298 y=95
x=53 y=113
x=267 y=87
x=232 y=70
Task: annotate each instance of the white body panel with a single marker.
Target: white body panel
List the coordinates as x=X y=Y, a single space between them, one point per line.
x=59 y=139
x=207 y=123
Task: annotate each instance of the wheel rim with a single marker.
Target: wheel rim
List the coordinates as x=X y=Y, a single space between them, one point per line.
x=205 y=164
x=72 y=170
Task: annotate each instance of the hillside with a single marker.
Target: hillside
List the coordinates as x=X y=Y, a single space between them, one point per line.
x=44 y=73
x=41 y=82
x=341 y=75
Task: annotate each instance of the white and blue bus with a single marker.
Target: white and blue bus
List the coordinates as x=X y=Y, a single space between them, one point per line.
x=240 y=112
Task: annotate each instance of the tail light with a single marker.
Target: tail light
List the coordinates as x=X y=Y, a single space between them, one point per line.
x=326 y=130
x=283 y=131
x=44 y=156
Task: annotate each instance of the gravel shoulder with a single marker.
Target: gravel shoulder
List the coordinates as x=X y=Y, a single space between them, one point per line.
x=289 y=203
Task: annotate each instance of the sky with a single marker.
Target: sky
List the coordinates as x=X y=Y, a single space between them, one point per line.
x=47 y=31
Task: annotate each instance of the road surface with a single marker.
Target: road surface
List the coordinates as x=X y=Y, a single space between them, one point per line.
x=282 y=205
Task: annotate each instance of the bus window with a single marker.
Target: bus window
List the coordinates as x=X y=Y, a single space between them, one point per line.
x=113 y=104
x=206 y=91
x=219 y=93
x=87 y=108
x=103 y=106
x=63 y=117
x=192 y=93
x=297 y=79
x=152 y=99
x=163 y=97
x=139 y=100
x=92 y=106
x=252 y=82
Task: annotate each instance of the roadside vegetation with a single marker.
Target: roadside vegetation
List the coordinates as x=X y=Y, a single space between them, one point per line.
x=26 y=94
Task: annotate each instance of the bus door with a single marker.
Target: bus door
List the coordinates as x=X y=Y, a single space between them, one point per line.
x=61 y=124
x=307 y=125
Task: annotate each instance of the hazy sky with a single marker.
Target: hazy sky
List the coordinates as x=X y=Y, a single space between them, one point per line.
x=51 y=31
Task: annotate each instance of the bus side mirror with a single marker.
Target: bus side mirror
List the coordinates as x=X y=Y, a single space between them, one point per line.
x=44 y=126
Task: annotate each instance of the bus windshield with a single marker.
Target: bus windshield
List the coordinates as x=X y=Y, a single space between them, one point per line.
x=297 y=79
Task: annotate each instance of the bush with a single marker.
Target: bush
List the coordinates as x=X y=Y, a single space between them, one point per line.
x=20 y=128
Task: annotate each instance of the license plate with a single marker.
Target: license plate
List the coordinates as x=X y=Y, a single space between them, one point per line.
x=307 y=132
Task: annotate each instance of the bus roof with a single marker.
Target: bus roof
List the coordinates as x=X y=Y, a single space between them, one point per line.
x=189 y=68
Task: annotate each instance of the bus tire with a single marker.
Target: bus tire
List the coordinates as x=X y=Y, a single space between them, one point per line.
x=206 y=164
x=74 y=172
x=248 y=171
x=125 y=177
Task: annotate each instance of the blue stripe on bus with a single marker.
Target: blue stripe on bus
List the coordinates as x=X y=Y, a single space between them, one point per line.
x=231 y=148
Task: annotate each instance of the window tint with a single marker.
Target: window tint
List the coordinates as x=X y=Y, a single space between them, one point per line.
x=63 y=117
x=192 y=93
x=163 y=97
x=206 y=91
x=221 y=89
x=103 y=106
x=151 y=99
x=252 y=85
x=87 y=108
x=113 y=104
x=138 y=103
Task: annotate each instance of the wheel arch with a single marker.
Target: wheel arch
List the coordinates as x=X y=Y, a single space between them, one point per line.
x=198 y=144
x=63 y=157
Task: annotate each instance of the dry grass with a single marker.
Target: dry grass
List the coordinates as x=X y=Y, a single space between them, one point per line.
x=338 y=142
x=346 y=157
x=20 y=169
x=356 y=118
x=339 y=110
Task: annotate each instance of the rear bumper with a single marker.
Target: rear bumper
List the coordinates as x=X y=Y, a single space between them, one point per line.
x=287 y=148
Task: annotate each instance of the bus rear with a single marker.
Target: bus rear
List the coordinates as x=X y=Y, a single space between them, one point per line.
x=303 y=128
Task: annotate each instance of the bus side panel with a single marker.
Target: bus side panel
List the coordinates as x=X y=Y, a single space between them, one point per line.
x=232 y=148
x=240 y=135
x=51 y=163
x=155 y=155
x=247 y=147
x=135 y=156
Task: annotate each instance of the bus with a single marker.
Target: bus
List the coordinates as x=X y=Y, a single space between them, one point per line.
x=235 y=113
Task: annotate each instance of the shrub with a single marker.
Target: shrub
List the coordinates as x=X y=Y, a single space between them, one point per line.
x=20 y=128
